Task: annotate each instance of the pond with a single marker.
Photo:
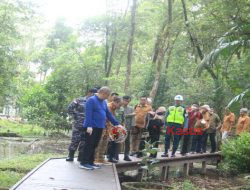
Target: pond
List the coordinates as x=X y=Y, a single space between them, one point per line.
x=12 y=146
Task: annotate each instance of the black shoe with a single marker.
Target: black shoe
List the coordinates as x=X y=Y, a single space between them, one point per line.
x=139 y=155
x=80 y=155
x=173 y=155
x=126 y=158
x=183 y=154
x=211 y=152
x=70 y=157
x=113 y=160
x=165 y=155
x=133 y=154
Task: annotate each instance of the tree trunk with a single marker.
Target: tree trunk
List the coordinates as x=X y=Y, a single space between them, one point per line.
x=110 y=62
x=219 y=95
x=130 y=47
x=161 y=47
x=106 y=50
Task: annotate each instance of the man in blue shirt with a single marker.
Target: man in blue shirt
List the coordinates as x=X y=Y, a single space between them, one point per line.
x=95 y=120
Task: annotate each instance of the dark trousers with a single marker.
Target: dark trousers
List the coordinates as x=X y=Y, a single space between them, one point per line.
x=212 y=141
x=154 y=138
x=194 y=143
x=91 y=142
x=172 y=127
x=200 y=143
x=186 y=140
x=127 y=144
x=112 y=150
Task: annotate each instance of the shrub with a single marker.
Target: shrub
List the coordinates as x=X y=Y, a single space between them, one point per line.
x=236 y=154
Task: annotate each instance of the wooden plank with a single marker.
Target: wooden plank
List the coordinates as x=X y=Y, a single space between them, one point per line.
x=59 y=174
x=28 y=175
x=116 y=177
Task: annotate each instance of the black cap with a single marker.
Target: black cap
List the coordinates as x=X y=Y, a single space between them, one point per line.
x=93 y=90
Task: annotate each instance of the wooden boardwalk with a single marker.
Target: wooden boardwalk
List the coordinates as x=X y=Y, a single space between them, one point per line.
x=165 y=163
x=57 y=174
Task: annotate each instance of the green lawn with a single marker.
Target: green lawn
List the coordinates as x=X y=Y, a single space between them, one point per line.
x=24 y=130
x=12 y=170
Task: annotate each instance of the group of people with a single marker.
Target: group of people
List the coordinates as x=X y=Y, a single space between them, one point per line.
x=95 y=115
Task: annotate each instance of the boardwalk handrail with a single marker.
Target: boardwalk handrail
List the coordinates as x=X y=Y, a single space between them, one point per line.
x=121 y=167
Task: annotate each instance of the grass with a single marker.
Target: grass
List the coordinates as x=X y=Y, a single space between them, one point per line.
x=24 y=130
x=12 y=170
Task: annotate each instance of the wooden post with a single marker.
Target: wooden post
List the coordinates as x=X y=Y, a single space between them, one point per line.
x=165 y=173
x=203 y=170
x=140 y=174
x=186 y=169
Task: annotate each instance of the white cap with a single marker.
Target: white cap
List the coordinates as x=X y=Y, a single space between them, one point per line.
x=207 y=107
x=178 y=97
x=244 y=110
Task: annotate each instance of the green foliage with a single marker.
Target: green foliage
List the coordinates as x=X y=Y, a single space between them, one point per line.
x=148 y=163
x=14 y=16
x=9 y=178
x=236 y=154
x=186 y=185
x=24 y=130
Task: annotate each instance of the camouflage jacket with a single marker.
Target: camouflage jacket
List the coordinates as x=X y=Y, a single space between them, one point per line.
x=77 y=109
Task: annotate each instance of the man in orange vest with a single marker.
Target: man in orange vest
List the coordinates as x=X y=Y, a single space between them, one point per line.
x=141 y=111
x=228 y=123
x=243 y=124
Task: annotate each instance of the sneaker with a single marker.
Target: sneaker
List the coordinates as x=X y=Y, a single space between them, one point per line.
x=96 y=166
x=86 y=166
x=173 y=155
x=183 y=154
x=69 y=159
x=164 y=155
x=192 y=152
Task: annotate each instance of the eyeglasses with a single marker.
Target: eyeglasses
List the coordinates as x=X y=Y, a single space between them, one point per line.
x=160 y=113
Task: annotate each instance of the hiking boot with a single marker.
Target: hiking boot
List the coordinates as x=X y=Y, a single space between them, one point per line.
x=70 y=157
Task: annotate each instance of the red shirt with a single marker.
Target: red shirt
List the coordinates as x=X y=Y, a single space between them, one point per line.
x=192 y=118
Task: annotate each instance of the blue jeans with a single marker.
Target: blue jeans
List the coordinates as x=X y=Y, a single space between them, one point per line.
x=172 y=128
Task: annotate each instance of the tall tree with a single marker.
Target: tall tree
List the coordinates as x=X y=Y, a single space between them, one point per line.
x=161 y=47
x=130 y=46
